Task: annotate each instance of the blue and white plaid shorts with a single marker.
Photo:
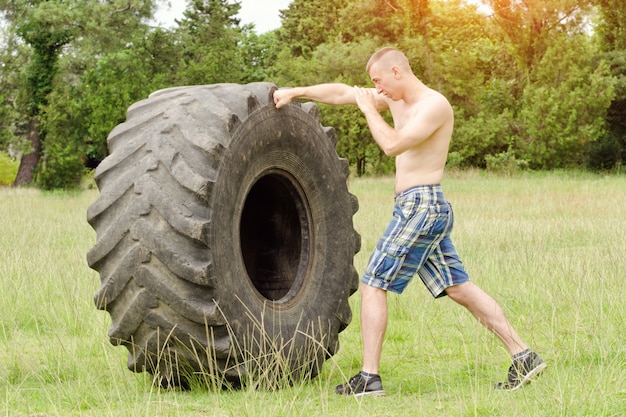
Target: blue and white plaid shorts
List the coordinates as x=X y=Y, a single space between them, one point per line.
x=417 y=241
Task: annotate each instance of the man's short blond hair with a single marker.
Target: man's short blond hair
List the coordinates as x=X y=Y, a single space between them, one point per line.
x=389 y=56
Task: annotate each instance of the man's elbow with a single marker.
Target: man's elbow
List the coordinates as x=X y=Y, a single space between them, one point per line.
x=392 y=150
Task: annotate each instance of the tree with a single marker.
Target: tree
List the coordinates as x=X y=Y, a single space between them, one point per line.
x=46 y=29
x=57 y=35
x=452 y=53
x=610 y=151
x=307 y=24
x=528 y=24
x=544 y=98
x=12 y=61
x=388 y=21
x=107 y=59
x=565 y=109
x=86 y=106
x=258 y=53
x=516 y=78
x=210 y=37
x=612 y=26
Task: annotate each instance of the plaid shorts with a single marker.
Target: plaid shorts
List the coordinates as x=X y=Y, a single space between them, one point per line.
x=417 y=241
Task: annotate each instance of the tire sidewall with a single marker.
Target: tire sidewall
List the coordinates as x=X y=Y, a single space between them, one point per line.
x=292 y=141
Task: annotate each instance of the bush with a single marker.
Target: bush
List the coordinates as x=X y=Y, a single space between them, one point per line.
x=505 y=163
x=561 y=115
x=477 y=136
x=606 y=153
x=8 y=169
x=454 y=161
x=61 y=167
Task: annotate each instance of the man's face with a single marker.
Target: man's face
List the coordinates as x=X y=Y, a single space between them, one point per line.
x=384 y=80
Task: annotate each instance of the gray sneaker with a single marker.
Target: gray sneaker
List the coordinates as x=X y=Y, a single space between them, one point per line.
x=522 y=372
x=360 y=385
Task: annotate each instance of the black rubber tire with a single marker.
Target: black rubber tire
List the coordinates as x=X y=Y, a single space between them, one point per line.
x=225 y=240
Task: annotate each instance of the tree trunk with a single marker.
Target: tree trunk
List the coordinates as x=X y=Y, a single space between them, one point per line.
x=29 y=162
x=360 y=166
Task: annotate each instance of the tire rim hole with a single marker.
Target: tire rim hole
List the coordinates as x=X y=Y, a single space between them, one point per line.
x=274 y=236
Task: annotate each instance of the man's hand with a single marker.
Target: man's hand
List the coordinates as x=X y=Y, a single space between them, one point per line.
x=282 y=98
x=365 y=99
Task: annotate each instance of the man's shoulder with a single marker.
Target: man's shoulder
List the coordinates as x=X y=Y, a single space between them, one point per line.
x=435 y=96
x=434 y=102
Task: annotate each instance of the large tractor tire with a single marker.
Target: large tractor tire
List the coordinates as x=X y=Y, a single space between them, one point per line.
x=225 y=240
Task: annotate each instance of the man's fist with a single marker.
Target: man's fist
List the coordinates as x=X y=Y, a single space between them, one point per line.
x=282 y=98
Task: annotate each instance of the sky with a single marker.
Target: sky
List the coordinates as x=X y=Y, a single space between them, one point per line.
x=263 y=13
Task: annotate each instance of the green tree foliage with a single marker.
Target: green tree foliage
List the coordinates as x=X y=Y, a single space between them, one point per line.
x=45 y=29
x=109 y=58
x=60 y=40
x=307 y=24
x=387 y=21
x=258 y=53
x=478 y=136
x=610 y=150
x=101 y=77
x=520 y=78
x=612 y=26
x=452 y=52
x=528 y=25
x=209 y=36
x=564 y=110
x=12 y=61
x=529 y=81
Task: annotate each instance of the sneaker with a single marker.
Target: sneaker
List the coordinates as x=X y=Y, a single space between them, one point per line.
x=360 y=385
x=522 y=371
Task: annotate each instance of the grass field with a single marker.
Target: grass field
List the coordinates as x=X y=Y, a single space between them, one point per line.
x=551 y=248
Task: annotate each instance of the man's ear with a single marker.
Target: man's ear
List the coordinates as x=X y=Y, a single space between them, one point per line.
x=397 y=72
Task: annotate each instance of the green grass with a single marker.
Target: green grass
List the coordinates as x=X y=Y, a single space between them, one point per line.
x=549 y=247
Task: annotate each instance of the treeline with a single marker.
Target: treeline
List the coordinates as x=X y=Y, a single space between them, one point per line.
x=538 y=84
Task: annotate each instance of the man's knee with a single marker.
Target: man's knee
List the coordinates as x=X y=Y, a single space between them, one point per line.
x=368 y=291
x=460 y=293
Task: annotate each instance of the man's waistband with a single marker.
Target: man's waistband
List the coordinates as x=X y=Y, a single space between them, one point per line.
x=421 y=189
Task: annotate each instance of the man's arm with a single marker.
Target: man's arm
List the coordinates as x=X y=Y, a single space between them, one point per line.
x=420 y=127
x=334 y=94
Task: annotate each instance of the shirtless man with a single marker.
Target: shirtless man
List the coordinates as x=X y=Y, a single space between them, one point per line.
x=417 y=241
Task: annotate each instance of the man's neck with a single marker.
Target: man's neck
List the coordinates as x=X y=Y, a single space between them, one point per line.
x=413 y=91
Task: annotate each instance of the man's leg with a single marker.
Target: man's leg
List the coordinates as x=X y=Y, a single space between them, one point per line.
x=526 y=364
x=373 y=325
x=488 y=313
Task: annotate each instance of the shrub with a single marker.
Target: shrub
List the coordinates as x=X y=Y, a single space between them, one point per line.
x=505 y=163
x=61 y=167
x=8 y=169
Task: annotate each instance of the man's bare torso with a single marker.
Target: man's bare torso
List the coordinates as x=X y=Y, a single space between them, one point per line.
x=423 y=164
